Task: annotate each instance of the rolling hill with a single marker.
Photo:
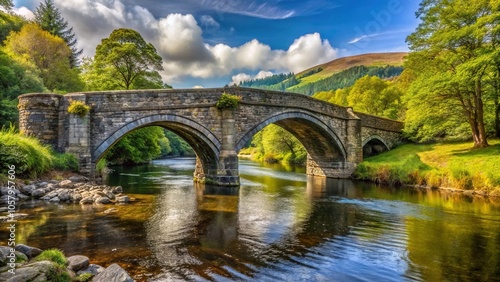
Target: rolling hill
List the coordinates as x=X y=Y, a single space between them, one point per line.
x=338 y=73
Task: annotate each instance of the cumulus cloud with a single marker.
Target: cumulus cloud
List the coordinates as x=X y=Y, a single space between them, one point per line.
x=209 y=22
x=179 y=41
x=25 y=12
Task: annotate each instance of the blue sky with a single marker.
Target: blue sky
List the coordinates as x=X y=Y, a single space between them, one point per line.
x=211 y=43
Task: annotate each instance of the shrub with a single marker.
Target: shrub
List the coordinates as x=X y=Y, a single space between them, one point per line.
x=228 y=102
x=30 y=157
x=58 y=274
x=78 y=108
x=53 y=255
x=66 y=162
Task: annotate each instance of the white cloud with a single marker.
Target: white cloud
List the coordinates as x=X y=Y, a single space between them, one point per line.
x=25 y=12
x=178 y=39
x=209 y=22
x=236 y=79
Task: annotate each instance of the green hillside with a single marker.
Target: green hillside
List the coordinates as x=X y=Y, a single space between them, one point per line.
x=336 y=74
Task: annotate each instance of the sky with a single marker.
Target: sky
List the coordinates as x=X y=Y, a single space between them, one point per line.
x=211 y=43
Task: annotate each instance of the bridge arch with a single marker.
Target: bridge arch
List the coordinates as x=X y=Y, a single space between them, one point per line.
x=374 y=145
x=322 y=144
x=206 y=146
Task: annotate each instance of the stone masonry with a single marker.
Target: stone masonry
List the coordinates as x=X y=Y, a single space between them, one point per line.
x=333 y=136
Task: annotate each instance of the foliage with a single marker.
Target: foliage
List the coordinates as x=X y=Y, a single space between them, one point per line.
x=78 y=108
x=274 y=144
x=7 y=4
x=228 y=102
x=123 y=61
x=53 y=255
x=9 y=22
x=14 y=81
x=47 y=54
x=30 y=157
x=346 y=78
x=370 y=95
x=139 y=146
x=48 y=17
x=455 y=47
x=66 y=161
x=179 y=147
x=453 y=164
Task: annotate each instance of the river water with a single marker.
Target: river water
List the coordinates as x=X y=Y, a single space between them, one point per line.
x=280 y=225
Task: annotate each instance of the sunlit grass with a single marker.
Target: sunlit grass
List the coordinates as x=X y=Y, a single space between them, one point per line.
x=456 y=165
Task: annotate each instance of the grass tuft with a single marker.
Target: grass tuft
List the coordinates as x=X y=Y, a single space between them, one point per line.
x=53 y=255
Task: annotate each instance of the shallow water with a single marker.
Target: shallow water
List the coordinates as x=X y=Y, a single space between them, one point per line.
x=279 y=225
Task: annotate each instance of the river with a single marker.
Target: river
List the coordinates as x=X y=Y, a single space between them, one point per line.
x=280 y=225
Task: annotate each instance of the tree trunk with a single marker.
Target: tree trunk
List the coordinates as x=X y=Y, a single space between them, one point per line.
x=497 y=115
x=481 y=140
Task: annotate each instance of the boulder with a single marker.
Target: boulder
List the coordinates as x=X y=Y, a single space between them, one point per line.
x=55 y=200
x=78 y=262
x=113 y=273
x=30 y=252
x=64 y=196
x=122 y=199
x=93 y=269
x=76 y=197
x=4 y=191
x=86 y=200
x=66 y=183
x=5 y=252
x=38 y=193
x=36 y=272
x=117 y=190
x=78 y=178
x=41 y=184
x=102 y=200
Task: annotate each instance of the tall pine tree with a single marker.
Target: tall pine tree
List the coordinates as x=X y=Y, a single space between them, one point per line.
x=49 y=18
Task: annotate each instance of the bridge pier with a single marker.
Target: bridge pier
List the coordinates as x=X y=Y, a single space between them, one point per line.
x=225 y=172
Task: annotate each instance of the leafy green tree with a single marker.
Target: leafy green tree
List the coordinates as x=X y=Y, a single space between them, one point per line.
x=273 y=144
x=6 y=4
x=49 y=18
x=139 y=146
x=124 y=61
x=14 y=81
x=179 y=147
x=9 y=22
x=35 y=48
x=452 y=52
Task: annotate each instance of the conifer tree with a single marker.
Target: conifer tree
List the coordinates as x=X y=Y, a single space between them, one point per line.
x=49 y=18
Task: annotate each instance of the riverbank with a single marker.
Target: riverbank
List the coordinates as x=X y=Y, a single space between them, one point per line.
x=453 y=166
x=25 y=263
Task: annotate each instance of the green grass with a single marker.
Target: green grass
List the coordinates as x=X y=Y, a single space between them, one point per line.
x=30 y=157
x=53 y=255
x=455 y=165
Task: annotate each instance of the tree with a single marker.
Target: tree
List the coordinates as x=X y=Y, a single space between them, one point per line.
x=49 y=18
x=6 y=4
x=139 y=146
x=37 y=49
x=124 y=61
x=375 y=96
x=14 y=81
x=452 y=52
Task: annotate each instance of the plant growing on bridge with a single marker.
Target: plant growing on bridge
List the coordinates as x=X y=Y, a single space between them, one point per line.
x=228 y=102
x=78 y=108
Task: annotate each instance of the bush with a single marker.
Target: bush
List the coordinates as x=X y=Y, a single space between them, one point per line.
x=84 y=277
x=228 y=102
x=59 y=274
x=78 y=108
x=66 y=162
x=53 y=255
x=30 y=157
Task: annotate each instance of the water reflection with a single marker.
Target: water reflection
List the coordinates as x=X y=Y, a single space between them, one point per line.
x=279 y=225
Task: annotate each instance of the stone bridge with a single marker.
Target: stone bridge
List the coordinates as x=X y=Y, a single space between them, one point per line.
x=335 y=137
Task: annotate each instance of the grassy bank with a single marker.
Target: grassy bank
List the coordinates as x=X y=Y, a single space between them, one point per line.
x=454 y=165
x=30 y=158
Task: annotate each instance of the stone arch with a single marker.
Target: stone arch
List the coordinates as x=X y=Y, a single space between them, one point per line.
x=324 y=147
x=205 y=144
x=374 y=145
